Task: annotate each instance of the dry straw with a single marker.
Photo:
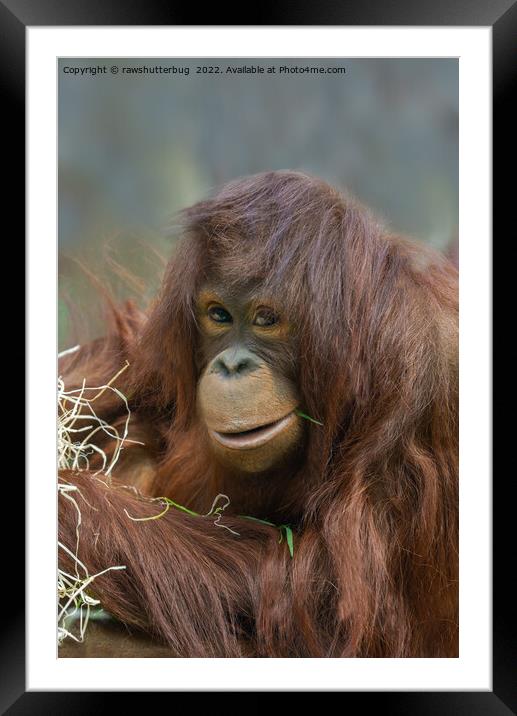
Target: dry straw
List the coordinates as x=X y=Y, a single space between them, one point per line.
x=78 y=424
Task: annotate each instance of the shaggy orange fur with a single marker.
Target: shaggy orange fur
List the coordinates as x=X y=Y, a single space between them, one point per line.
x=373 y=504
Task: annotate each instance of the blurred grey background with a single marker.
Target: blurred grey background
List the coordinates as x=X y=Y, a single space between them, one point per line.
x=135 y=148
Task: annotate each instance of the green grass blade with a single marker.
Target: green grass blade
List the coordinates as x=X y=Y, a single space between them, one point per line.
x=290 y=539
x=256 y=519
x=179 y=507
x=307 y=417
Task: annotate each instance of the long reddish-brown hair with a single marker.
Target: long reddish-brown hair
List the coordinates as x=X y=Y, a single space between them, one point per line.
x=373 y=503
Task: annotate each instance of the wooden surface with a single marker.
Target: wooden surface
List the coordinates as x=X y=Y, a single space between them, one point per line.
x=113 y=640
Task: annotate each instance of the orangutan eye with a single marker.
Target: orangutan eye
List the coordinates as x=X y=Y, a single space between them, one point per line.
x=265 y=317
x=219 y=314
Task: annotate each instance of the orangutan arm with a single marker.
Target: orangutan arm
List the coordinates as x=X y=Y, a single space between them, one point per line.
x=188 y=582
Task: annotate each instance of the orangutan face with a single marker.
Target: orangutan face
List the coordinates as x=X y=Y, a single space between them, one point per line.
x=247 y=394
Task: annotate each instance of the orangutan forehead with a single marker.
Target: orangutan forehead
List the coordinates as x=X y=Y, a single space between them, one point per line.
x=244 y=294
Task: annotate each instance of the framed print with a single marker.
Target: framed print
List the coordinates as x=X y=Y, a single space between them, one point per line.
x=267 y=250
x=283 y=372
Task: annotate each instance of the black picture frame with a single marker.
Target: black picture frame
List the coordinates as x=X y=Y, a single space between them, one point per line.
x=501 y=15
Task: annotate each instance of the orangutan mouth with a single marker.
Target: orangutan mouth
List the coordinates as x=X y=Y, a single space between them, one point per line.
x=255 y=437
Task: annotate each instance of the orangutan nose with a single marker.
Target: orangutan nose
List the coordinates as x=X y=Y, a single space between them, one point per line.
x=234 y=362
